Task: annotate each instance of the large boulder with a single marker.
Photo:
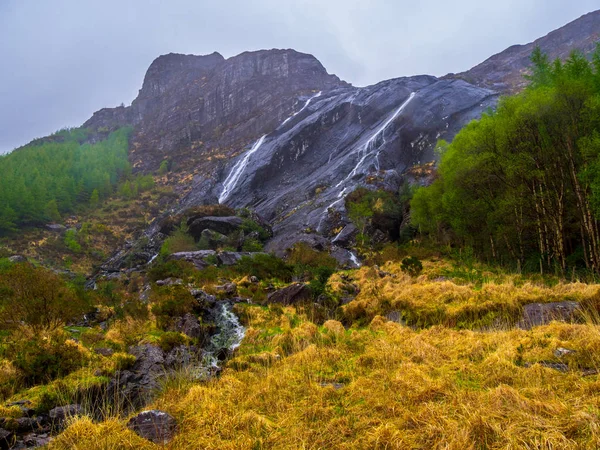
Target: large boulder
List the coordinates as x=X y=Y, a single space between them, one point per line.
x=200 y=258
x=535 y=314
x=231 y=258
x=154 y=425
x=291 y=295
x=222 y=225
x=17 y=259
x=213 y=238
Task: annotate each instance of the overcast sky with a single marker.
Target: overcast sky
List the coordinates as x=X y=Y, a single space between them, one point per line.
x=64 y=59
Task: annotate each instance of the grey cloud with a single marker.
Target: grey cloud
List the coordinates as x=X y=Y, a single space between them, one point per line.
x=64 y=59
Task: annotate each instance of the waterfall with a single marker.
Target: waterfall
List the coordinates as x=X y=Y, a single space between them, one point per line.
x=354 y=259
x=235 y=174
x=371 y=144
x=318 y=94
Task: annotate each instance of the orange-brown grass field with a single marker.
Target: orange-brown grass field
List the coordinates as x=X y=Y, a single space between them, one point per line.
x=462 y=377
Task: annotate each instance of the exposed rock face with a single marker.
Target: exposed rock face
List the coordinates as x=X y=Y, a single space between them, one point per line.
x=290 y=295
x=60 y=414
x=273 y=131
x=193 y=105
x=504 y=72
x=536 y=314
x=222 y=225
x=156 y=426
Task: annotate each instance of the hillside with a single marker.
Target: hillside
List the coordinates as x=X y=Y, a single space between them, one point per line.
x=258 y=255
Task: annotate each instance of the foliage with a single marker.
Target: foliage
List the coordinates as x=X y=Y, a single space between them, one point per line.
x=44 y=357
x=47 y=179
x=412 y=266
x=522 y=184
x=37 y=298
x=171 y=302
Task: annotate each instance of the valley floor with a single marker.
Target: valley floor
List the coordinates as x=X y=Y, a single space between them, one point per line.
x=380 y=384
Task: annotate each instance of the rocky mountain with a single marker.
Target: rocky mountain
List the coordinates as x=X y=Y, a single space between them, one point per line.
x=504 y=71
x=273 y=131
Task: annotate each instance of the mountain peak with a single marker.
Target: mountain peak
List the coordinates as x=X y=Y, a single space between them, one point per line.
x=504 y=71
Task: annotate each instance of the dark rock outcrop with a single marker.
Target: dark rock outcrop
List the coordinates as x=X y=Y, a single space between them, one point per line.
x=200 y=258
x=291 y=295
x=222 y=225
x=59 y=414
x=156 y=426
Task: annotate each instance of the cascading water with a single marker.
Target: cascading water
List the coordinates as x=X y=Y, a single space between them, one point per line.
x=228 y=337
x=370 y=145
x=366 y=150
x=235 y=174
x=318 y=94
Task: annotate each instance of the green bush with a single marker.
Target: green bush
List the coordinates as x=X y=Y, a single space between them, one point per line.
x=43 y=358
x=264 y=266
x=412 y=266
x=171 y=302
x=171 y=339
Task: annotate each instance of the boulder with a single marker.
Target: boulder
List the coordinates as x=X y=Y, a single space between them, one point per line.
x=202 y=297
x=156 y=426
x=222 y=225
x=200 y=258
x=231 y=258
x=291 y=295
x=17 y=259
x=105 y=351
x=190 y=326
x=7 y=439
x=56 y=227
x=213 y=238
x=61 y=413
x=536 y=314
x=170 y=282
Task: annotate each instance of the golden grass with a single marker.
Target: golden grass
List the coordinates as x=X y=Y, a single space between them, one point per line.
x=293 y=385
x=425 y=301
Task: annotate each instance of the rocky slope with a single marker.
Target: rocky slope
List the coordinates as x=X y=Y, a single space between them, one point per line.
x=504 y=72
x=272 y=130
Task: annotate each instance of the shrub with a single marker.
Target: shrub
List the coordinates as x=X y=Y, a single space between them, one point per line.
x=171 y=339
x=171 y=302
x=264 y=267
x=38 y=298
x=44 y=358
x=412 y=266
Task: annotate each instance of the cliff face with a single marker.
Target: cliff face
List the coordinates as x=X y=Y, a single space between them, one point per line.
x=272 y=130
x=191 y=108
x=504 y=71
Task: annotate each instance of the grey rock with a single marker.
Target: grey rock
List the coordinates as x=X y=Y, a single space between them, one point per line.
x=213 y=238
x=60 y=413
x=170 y=282
x=291 y=295
x=218 y=225
x=198 y=258
x=203 y=297
x=190 y=326
x=561 y=352
x=16 y=259
x=227 y=288
x=104 y=351
x=156 y=426
x=55 y=227
x=231 y=258
x=7 y=439
x=536 y=314
x=345 y=238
